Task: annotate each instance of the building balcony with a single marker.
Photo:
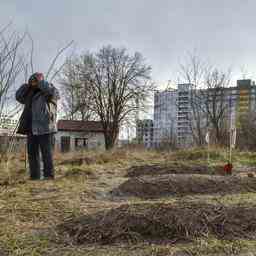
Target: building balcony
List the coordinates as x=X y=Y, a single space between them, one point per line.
x=183 y=112
x=183 y=124
x=182 y=118
x=183 y=128
x=183 y=99
x=183 y=103
x=183 y=93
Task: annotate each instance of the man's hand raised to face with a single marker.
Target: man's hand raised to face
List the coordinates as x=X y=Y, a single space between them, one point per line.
x=33 y=83
x=35 y=79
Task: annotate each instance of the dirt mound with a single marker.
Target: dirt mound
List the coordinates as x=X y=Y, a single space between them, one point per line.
x=162 y=222
x=164 y=185
x=142 y=170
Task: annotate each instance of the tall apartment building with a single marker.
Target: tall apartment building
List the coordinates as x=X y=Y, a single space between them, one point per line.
x=184 y=135
x=165 y=111
x=239 y=101
x=245 y=100
x=173 y=111
x=144 y=132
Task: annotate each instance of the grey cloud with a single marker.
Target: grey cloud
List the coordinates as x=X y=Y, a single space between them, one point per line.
x=223 y=31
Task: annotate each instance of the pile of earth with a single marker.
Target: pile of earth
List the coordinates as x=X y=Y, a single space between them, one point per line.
x=162 y=222
x=179 y=185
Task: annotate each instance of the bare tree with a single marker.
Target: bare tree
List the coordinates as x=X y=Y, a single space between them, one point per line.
x=115 y=80
x=75 y=93
x=11 y=66
x=169 y=139
x=193 y=72
x=209 y=104
x=214 y=102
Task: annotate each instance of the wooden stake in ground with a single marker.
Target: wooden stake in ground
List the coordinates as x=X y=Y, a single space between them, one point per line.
x=232 y=142
x=25 y=152
x=207 y=139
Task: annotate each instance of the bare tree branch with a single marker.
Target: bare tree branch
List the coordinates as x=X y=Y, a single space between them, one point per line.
x=31 y=52
x=11 y=66
x=56 y=57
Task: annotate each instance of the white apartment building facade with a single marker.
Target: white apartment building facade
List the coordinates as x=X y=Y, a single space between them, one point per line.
x=172 y=110
x=165 y=110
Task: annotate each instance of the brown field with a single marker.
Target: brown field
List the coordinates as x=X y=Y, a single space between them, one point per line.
x=130 y=202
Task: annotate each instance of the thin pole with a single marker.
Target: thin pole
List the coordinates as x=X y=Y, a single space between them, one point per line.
x=230 y=130
x=230 y=146
x=208 y=153
x=207 y=139
x=25 y=155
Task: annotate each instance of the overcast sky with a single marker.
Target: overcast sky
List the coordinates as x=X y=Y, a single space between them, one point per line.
x=222 y=30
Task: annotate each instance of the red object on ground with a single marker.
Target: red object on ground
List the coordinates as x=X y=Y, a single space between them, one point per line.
x=228 y=168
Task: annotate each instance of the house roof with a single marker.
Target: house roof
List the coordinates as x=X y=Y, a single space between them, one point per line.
x=79 y=126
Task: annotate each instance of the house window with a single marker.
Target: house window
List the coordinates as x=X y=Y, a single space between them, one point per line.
x=81 y=143
x=65 y=143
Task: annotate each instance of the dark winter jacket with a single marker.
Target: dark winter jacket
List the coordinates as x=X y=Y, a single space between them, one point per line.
x=42 y=103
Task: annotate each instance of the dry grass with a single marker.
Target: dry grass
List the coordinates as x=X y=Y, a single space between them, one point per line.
x=31 y=213
x=198 y=154
x=121 y=156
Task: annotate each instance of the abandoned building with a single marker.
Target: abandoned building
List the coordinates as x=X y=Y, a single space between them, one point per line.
x=78 y=135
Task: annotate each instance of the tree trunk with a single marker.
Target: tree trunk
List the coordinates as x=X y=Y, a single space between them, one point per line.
x=110 y=139
x=218 y=135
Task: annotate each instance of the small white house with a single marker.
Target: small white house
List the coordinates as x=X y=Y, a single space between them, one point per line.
x=75 y=135
x=16 y=141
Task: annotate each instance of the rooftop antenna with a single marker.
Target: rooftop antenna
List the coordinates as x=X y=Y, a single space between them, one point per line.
x=244 y=72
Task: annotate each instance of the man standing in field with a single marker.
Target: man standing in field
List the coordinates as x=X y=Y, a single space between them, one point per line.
x=38 y=122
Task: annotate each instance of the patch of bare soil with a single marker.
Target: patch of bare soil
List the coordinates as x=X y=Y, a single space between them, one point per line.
x=142 y=170
x=164 y=185
x=162 y=222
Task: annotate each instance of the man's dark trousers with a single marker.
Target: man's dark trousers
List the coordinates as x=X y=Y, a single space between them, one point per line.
x=45 y=144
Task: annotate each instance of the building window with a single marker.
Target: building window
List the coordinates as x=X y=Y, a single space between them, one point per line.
x=81 y=143
x=65 y=143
